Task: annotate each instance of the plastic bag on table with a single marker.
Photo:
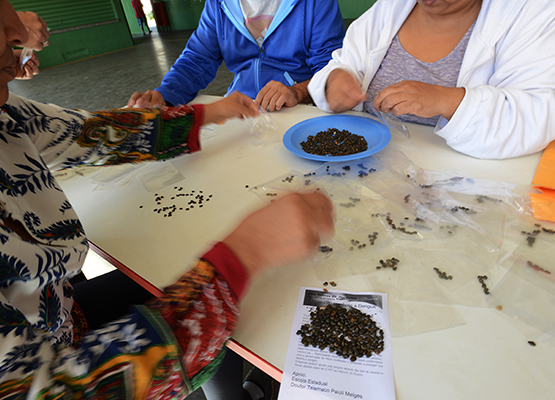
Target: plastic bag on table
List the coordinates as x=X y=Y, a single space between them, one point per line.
x=409 y=318
x=357 y=238
x=484 y=223
x=160 y=175
x=506 y=194
x=526 y=227
x=117 y=176
x=263 y=129
x=441 y=214
x=527 y=291
x=452 y=269
x=293 y=181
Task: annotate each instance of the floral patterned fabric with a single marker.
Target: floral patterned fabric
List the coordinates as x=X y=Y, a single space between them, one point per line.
x=137 y=356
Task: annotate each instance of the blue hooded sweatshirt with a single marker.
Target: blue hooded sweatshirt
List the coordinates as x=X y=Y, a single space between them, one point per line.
x=298 y=43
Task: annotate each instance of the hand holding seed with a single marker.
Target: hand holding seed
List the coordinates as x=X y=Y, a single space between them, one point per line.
x=419 y=98
x=30 y=68
x=286 y=231
x=343 y=92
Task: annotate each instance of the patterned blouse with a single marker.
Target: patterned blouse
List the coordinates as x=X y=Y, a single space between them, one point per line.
x=162 y=350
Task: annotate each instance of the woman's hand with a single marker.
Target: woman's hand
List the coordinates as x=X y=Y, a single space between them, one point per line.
x=275 y=95
x=30 y=68
x=418 y=98
x=148 y=99
x=343 y=92
x=286 y=231
x=236 y=105
x=36 y=28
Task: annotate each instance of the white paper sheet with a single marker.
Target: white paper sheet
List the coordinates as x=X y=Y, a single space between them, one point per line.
x=314 y=374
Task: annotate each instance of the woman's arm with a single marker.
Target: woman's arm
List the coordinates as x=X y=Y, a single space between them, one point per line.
x=172 y=345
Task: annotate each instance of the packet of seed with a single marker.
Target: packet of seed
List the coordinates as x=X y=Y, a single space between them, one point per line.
x=339 y=348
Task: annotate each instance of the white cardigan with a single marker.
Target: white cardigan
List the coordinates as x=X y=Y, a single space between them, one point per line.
x=508 y=72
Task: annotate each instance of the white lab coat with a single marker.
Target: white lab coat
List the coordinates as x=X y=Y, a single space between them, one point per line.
x=508 y=72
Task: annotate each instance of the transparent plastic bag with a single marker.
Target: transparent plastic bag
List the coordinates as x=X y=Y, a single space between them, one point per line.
x=357 y=237
x=293 y=181
x=394 y=124
x=158 y=175
x=409 y=318
x=117 y=176
x=25 y=56
x=263 y=130
x=527 y=291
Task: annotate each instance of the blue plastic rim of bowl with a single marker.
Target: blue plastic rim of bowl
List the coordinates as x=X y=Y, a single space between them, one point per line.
x=377 y=135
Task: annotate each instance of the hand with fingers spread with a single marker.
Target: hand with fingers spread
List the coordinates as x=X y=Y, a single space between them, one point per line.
x=36 y=28
x=30 y=68
x=286 y=231
x=236 y=105
x=148 y=99
x=343 y=92
x=418 y=98
x=275 y=95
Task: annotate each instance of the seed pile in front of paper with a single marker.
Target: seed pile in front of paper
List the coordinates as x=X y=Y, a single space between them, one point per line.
x=346 y=331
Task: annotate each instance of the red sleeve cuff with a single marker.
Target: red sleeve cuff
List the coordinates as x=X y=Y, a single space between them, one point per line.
x=194 y=136
x=229 y=268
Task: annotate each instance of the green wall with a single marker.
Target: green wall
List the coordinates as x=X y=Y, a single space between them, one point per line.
x=84 y=28
x=84 y=43
x=352 y=9
x=184 y=14
x=131 y=18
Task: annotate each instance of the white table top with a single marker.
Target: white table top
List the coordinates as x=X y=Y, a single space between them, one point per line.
x=486 y=357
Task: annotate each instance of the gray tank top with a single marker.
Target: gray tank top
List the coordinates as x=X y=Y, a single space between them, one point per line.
x=398 y=65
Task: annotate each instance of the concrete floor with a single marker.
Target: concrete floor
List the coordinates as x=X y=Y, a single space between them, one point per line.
x=107 y=81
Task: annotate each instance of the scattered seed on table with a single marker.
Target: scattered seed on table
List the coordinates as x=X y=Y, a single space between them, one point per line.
x=482 y=279
x=389 y=263
x=288 y=179
x=442 y=274
x=537 y=267
x=462 y=208
x=326 y=249
x=532 y=343
x=482 y=198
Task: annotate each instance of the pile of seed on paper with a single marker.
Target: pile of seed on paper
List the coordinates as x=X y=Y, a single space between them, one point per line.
x=348 y=332
x=333 y=142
